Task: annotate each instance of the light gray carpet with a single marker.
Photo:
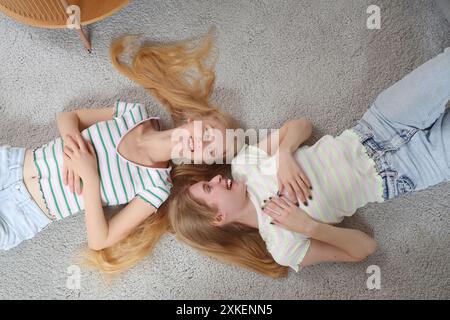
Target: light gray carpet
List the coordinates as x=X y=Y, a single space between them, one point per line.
x=278 y=60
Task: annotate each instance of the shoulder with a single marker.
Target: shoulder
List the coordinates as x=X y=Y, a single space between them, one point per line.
x=287 y=248
x=158 y=189
x=134 y=110
x=251 y=158
x=248 y=153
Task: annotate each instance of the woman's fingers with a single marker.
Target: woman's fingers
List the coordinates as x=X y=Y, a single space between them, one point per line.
x=65 y=172
x=278 y=203
x=70 y=142
x=271 y=212
x=298 y=191
x=81 y=143
x=280 y=186
x=289 y=191
x=306 y=186
x=77 y=180
x=288 y=202
x=70 y=175
x=303 y=189
x=273 y=207
x=275 y=210
x=305 y=180
x=281 y=191
x=91 y=148
x=68 y=152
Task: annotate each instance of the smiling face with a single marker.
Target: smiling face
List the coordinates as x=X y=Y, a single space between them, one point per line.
x=203 y=141
x=228 y=196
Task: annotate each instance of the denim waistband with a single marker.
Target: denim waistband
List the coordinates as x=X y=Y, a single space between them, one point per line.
x=372 y=151
x=16 y=157
x=377 y=153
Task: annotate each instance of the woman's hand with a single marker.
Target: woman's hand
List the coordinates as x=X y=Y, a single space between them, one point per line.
x=69 y=176
x=287 y=215
x=81 y=158
x=292 y=180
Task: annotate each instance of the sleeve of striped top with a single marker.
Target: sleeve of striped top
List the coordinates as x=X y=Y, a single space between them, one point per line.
x=155 y=195
x=288 y=248
x=133 y=110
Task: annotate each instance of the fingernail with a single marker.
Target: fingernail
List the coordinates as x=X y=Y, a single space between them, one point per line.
x=305 y=203
x=310 y=198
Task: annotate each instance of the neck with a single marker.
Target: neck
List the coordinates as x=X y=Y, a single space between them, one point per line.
x=159 y=143
x=248 y=214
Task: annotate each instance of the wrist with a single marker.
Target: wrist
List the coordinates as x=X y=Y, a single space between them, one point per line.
x=66 y=133
x=67 y=124
x=91 y=181
x=286 y=150
x=313 y=228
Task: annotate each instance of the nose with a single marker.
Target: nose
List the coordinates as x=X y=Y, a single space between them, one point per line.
x=217 y=179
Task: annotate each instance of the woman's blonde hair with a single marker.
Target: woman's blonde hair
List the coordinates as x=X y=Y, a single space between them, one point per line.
x=162 y=69
x=177 y=74
x=234 y=243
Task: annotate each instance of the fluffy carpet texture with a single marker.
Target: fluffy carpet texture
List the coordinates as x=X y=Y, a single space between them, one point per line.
x=278 y=60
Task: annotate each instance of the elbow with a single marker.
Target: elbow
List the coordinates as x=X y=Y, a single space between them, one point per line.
x=308 y=125
x=63 y=114
x=97 y=246
x=371 y=247
x=305 y=124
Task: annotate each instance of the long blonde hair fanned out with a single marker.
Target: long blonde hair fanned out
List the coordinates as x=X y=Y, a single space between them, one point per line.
x=191 y=220
x=163 y=70
x=179 y=75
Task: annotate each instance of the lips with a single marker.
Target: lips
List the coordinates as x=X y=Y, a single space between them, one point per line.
x=229 y=184
x=191 y=143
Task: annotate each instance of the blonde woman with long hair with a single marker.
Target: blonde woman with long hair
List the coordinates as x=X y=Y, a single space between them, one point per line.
x=401 y=145
x=115 y=155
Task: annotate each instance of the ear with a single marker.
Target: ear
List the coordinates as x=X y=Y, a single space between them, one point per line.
x=219 y=219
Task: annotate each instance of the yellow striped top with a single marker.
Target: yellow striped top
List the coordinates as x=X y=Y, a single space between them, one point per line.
x=343 y=176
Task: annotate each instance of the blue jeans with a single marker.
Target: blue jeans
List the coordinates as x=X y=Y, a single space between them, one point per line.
x=20 y=216
x=407 y=129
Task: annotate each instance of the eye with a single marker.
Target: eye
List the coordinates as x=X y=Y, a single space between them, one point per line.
x=207 y=188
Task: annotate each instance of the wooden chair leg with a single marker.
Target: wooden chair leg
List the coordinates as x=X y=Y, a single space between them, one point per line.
x=85 y=40
x=83 y=37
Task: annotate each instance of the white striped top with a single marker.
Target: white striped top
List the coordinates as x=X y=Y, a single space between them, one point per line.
x=120 y=179
x=343 y=176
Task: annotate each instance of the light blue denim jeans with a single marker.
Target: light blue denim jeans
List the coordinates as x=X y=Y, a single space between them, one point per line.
x=20 y=216
x=407 y=129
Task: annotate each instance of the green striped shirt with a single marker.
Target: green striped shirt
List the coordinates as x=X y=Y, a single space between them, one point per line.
x=120 y=179
x=343 y=176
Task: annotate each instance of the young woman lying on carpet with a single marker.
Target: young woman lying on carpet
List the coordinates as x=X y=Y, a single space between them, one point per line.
x=401 y=144
x=120 y=154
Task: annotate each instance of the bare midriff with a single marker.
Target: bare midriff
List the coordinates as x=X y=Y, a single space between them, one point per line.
x=31 y=181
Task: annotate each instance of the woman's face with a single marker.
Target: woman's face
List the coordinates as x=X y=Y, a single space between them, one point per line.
x=203 y=141
x=228 y=196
